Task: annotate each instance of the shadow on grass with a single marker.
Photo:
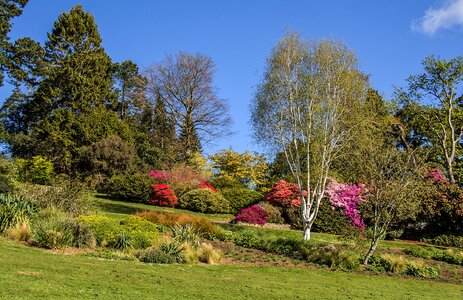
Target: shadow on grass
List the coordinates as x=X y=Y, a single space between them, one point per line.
x=117 y=208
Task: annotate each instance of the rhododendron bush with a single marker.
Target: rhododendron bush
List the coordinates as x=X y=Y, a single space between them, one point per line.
x=346 y=197
x=253 y=215
x=163 y=195
x=284 y=194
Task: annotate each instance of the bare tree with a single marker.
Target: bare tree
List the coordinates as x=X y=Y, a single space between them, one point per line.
x=184 y=83
x=309 y=88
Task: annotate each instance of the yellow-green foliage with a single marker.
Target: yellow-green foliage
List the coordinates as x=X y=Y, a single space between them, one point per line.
x=20 y=232
x=395 y=263
x=38 y=170
x=107 y=230
x=207 y=254
x=190 y=254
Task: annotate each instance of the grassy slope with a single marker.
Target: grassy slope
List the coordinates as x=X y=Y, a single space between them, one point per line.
x=32 y=273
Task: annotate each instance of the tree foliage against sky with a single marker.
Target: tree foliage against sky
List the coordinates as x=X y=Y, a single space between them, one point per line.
x=309 y=88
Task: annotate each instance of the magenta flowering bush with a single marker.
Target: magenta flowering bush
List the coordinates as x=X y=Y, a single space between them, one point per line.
x=346 y=197
x=253 y=215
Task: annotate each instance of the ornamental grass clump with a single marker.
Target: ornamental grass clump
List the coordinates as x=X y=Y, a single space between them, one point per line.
x=20 y=232
x=208 y=255
x=14 y=210
x=252 y=215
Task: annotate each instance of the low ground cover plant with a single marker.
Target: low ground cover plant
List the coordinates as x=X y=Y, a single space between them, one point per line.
x=451 y=256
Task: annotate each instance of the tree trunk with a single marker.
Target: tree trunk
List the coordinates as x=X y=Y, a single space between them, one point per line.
x=372 y=249
x=307 y=228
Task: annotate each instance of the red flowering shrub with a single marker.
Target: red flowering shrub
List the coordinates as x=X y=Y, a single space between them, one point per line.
x=253 y=215
x=205 y=185
x=284 y=194
x=163 y=195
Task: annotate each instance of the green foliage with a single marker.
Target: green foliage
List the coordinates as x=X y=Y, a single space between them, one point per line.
x=7 y=174
x=109 y=156
x=248 y=169
x=38 y=170
x=293 y=217
x=205 y=201
x=132 y=230
x=446 y=240
x=186 y=234
x=130 y=187
x=14 y=210
x=400 y=265
x=52 y=229
x=240 y=198
x=450 y=256
x=156 y=256
x=334 y=256
x=273 y=212
x=66 y=195
x=329 y=220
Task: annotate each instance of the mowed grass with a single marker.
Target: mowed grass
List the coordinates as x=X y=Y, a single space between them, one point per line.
x=116 y=208
x=28 y=273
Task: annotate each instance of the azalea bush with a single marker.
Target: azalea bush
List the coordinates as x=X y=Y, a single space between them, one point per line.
x=253 y=215
x=284 y=194
x=163 y=195
x=346 y=198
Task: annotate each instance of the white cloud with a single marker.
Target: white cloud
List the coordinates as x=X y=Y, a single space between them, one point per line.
x=445 y=17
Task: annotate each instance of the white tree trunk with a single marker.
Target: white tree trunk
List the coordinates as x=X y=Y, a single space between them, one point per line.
x=307 y=233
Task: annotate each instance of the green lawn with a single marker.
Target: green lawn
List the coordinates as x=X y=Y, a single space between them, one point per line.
x=32 y=273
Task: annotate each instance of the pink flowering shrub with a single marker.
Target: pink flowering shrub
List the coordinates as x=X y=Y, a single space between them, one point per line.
x=346 y=197
x=180 y=178
x=436 y=176
x=284 y=194
x=253 y=215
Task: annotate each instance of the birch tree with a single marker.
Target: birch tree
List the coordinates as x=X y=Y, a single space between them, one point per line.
x=308 y=91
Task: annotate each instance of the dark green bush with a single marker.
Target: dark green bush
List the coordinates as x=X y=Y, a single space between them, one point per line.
x=273 y=212
x=205 y=201
x=129 y=187
x=293 y=217
x=330 y=221
x=446 y=240
x=240 y=198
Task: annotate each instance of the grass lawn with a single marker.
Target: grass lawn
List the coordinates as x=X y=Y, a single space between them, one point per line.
x=32 y=273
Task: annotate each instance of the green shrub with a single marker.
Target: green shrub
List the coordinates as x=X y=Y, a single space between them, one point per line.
x=398 y=264
x=273 y=212
x=333 y=256
x=205 y=201
x=450 y=256
x=186 y=234
x=38 y=170
x=240 y=198
x=82 y=235
x=420 y=269
x=111 y=232
x=69 y=196
x=166 y=254
x=130 y=187
x=7 y=173
x=446 y=240
x=53 y=229
x=14 y=210
x=293 y=217
x=329 y=220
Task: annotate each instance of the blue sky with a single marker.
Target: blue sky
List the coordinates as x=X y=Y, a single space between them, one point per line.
x=390 y=38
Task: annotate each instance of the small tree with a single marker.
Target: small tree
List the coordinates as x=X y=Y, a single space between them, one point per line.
x=308 y=91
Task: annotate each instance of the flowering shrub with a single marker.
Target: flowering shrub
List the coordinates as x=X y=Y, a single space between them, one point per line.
x=442 y=204
x=205 y=185
x=345 y=197
x=180 y=178
x=163 y=195
x=253 y=215
x=284 y=194
x=436 y=176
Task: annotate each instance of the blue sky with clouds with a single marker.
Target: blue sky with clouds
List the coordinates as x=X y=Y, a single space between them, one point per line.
x=390 y=38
